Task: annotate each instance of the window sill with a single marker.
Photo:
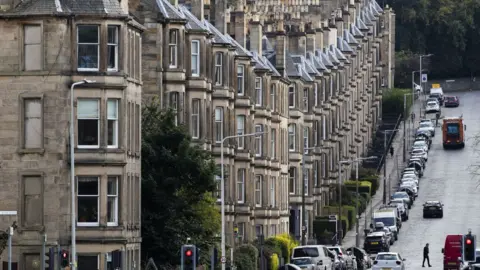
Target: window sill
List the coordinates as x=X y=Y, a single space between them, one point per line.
x=101 y=150
x=101 y=227
x=25 y=151
x=39 y=228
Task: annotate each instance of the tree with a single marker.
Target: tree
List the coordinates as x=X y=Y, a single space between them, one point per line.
x=177 y=187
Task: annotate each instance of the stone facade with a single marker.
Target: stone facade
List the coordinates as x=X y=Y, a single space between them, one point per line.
x=42 y=55
x=248 y=68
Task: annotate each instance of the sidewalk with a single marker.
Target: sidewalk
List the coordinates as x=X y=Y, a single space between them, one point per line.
x=392 y=178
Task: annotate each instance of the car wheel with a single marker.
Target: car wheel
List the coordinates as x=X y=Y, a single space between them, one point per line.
x=396 y=237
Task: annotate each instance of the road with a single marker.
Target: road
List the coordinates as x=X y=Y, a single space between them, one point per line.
x=448 y=178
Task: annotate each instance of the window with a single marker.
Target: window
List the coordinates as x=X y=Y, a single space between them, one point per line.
x=306 y=131
x=88 y=261
x=218 y=192
x=291 y=96
x=88 y=53
x=241 y=186
x=32 y=123
x=87 y=201
x=241 y=232
x=112 y=201
x=305 y=99
x=258 y=190
x=258 y=91
x=316 y=126
x=272 y=191
x=273 y=230
x=305 y=180
x=32 y=201
x=315 y=173
x=241 y=131
x=324 y=165
x=32 y=47
x=112 y=119
x=112 y=48
x=174 y=99
x=241 y=80
x=273 y=97
x=173 y=48
x=88 y=113
x=195 y=58
x=218 y=124
x=195 y=118
x=292 y=174
x=315 y=94
x=259 y=230
x=273 y=141
x=258 y=141
x=291 y=137
x=218 y=68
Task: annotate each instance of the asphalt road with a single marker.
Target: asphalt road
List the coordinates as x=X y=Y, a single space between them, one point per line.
x=450 y=178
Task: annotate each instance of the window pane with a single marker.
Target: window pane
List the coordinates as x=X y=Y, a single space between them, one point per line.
x=112 y=186
x=33 y=203
x=87 y=209
x=112 y=56
x=87 y=56
x=32 y=34
x=195 y=47
x=87 y=132
x=33 y=123
x=87 y=262
x=88 y=186
x=111 y=209
x=87 y=109
x=87 y=34
x=33 y=57
x=112 y=35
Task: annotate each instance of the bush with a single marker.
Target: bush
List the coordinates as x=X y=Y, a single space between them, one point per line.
x=392 y=102
x=271 y=247
x=245 y=257
x=274 y=262
x=287 y=243
x=363 y=186
x=373 y=182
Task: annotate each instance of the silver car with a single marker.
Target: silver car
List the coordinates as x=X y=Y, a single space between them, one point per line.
x=349 y=260
x=420 y=152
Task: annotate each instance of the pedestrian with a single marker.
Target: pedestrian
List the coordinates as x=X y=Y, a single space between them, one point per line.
x=412 y=115
x=425 y=256
x=391 y=151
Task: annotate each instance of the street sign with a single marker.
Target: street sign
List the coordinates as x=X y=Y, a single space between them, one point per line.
x=332 y=218
x=223 y=260
x=424 y=78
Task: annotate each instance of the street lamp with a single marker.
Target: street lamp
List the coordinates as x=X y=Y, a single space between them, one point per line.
x=385 y=164
x=339 y=223
x=222 y=188
x=72 y=172
x=421 y=58
x=404 y=123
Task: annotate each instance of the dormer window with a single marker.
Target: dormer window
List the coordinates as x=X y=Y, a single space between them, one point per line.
x=173 y=48
x=218 y=68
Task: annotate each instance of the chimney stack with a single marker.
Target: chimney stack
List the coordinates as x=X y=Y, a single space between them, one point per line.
x=256 y=34
x=280 y=49
x=198 y=9
x=311 y=44
x=319 y=36
x=240 y=26
x=339 y=20
x=217 y=14
x=346 y=18
x=326 y=34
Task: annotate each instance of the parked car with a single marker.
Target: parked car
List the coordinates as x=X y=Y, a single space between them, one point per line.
x=432 y=107
x=307 y=263
x=420 y=152
x=349 y=260
x=451 y=101
x=376 y=242
x=429 y=126
x=388 y=260
x=363 y=260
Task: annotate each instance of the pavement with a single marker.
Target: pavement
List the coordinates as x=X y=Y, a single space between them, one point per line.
x=394 y=167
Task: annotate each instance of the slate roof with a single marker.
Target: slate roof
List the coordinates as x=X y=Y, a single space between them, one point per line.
x=239 y=50
x=168 y=11
x=331 y=55
x=218 y=37
x=373 y=10
x=266 y=45
x=324 y=58
x=65 y=7
x=366 y=17
x=349 y=38
x=272 y=67
x=259 y=61
x=371 y=13
x=343 y=45
x=355 y=31
x=306 y=65
x=360 y=24
x=316 y=61
x=377 y=6
x=192 y=22
x=290 y=67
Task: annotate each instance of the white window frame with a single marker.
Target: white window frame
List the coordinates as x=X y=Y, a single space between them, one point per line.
x=306 y=177
x=241 y=119
x=114 y=45
x=258 y=91
x=195 y=119
x=315 y=94
x=293 y=180
x=115 y=126
x=258 y=190
x=97 y=44
x=89 y=224
x=241 y=173
x=315 y=172
x=324 y=166
x=218 y=183
x=98 y=124
x=306 y=137
x=272 y=191
x=173 y=48
x=324 y=127
x=305 y=100
x=273 y=96
x=258 y=141
x=273 y=141
x=292 y=137
x=195 y=44
x=115 y=197
x=241 y=80
x=219 y=116
x=174 y=100
x=316 y=127
x=291 y=96
x=218 y=72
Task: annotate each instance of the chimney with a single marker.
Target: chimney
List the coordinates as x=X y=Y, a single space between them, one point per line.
x=198 y=9
x=339 y=20
x=319 y=36
x=217 y=15
x=311 y=44
x=280 y=49
x=240 y=26
x=256 y=34
x=302 y=40
x=346 y=18
x=326 y=34
x=174 y=3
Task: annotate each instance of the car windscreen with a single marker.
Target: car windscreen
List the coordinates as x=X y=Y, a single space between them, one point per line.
x=305 y=252
x=386 y=257
x=399 y=196
x=431 y=104
x=419 y=143
x=452 y=129
x=387 y=221
x=302 y=261
x=373 y=239
x=418 y=151
x=425 y=124
x=334 y=249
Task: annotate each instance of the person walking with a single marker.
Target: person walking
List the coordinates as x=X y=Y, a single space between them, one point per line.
x=391 y=151
x=425 y=256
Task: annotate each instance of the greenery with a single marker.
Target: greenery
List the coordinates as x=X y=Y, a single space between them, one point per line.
x=449 y=29
x=177 y=183
x=245 y=257
x=393 y=101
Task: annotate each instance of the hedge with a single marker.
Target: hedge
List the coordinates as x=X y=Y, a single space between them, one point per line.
x=373 y=179
x=363 y=186
x=272 y=247
x=322 y=224
x=275 y=262
x=286 y=243
x=393 y=99
x=245 y=257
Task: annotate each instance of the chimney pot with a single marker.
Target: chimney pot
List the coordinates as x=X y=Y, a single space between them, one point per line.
x=198 y=9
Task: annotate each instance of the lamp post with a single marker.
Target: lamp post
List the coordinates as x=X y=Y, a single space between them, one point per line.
x=222 y=184
x=404 y=125
x=413 y=86
x=339 y=223
x=385 y=164
x=421 y=60
x=72 y=172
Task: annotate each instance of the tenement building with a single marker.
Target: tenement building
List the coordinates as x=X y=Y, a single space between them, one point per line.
x=47 y=46
x=312 y=86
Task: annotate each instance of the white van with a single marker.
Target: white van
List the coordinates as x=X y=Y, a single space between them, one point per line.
x=438 y=93
x=389 y=218
x=319 y=253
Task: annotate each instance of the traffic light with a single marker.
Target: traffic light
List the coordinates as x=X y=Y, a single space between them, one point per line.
x=469 y=245
x=64 y=260
x=50 y=259
x=188 y=258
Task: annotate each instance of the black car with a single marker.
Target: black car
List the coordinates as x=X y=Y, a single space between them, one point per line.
x=363 y=260
x=433 y=209
x=376 y=242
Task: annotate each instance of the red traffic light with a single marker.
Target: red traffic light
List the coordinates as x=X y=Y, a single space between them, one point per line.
x=188 y=253
x=64 y=255
x=469 y=242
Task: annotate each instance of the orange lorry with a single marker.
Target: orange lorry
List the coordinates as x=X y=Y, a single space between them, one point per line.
x=453 y=132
